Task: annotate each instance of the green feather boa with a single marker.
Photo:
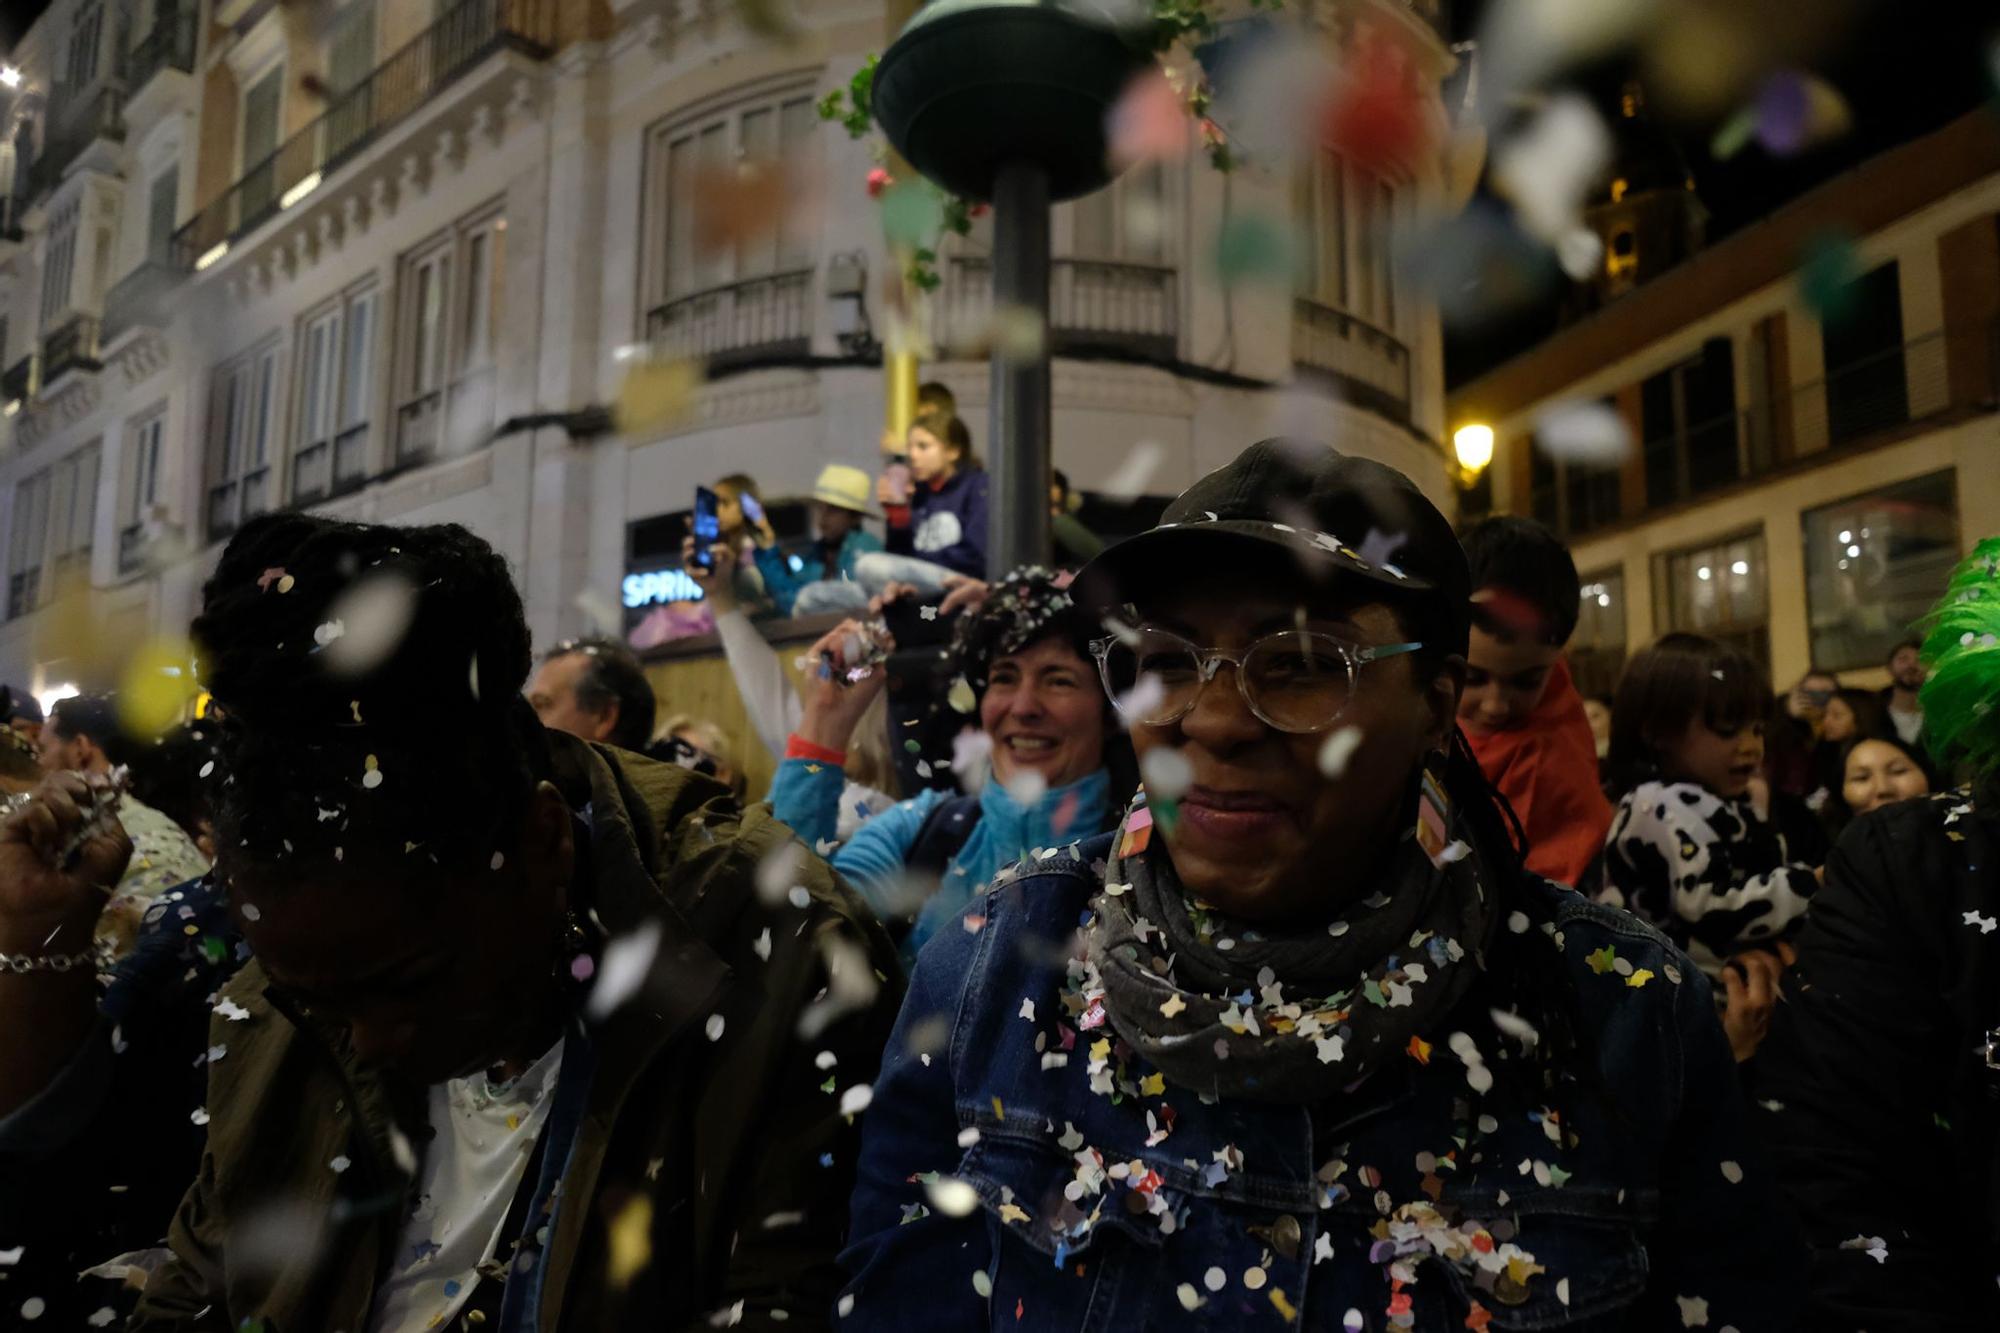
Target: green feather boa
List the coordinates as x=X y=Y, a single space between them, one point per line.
x=1962 y=649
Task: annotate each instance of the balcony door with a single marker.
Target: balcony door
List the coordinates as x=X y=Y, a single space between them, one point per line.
x=261 y=106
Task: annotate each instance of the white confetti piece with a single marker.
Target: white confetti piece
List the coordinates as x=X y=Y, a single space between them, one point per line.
x=1190 y=1299
x=1985 y=923
x=1134 y=472
x=8 y=1258
x=1215 y=1279
x=102 y=1318
x=983 y=1284
x=1548 y=167
x=1732 y=1172
x=951 y=1196
x=1338 y=750
x=1562 y=1290
x=1255 y=1278
x=1167 y=773
x=1027 y=787
x=216 y=1053
x=1694 y=1311
x=713 y=1028
x=1322 y=1248
x=328 y=632
x=761 y=946
x=622 y=969
x=199 y=1115
x=845 y=1305
x=1584 y=434
x=825 y=1060
x=32 y=1307
x=968 y=1136
x=499 y=859
x=251 y=912
x=340 y=1164
x=1143 y=699
x=855 y=1100
x=777 y=872
x=1028 y=1010
x=373 y=616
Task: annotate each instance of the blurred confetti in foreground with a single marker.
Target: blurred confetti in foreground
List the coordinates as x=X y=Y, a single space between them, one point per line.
x=1148 y=123
x=1548 y=166
x=156 y=687
x=376 y=612
x=1584 y=434
x=1827 y=270
x=1253 y=248
x=656 y=393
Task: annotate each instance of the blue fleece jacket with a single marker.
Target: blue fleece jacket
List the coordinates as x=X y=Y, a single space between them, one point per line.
x=947 y=524
x=806 y=795
x=784 y=585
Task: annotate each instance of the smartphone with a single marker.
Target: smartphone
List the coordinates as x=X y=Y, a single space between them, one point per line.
x=752 y=511
x=707 y=526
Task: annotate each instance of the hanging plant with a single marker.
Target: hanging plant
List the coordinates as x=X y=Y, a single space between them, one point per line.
x=1173 y=23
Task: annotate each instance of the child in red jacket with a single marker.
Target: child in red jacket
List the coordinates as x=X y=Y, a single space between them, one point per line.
x=1520 y=710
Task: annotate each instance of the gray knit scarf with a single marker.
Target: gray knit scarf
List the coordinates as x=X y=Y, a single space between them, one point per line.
x=1288 y=1017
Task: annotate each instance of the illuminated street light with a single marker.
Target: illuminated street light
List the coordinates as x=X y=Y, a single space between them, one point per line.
x=10 y=76
x=1473 y=444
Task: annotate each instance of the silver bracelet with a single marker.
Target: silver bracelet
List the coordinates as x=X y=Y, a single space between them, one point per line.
x=20 y=964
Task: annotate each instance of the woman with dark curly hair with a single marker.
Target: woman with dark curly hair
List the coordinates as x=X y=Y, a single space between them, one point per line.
x=1024 y=674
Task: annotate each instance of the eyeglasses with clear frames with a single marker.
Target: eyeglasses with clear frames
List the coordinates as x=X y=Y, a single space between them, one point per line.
x=1297 y=681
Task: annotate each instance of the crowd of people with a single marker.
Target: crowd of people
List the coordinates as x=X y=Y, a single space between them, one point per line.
x=1246 y=924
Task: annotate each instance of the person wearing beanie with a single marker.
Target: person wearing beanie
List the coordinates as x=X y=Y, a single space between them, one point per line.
x=1301 y=1044
x=511 y=1036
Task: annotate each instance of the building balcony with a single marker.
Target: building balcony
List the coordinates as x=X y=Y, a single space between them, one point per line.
x=327 y=469
x=1371 y=365
x=235 y=502
x=21 y=382
x=753 y=322
x=131 y=547
x=465 y=36
x=71 y=345
x=140 y=299
x=1097 y=308
x=169 y=46
x=79 y=120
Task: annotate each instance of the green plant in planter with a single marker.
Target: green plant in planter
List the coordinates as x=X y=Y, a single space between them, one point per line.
x=1173 y=23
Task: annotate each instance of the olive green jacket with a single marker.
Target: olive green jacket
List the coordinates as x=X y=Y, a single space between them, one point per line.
x=742 y=1154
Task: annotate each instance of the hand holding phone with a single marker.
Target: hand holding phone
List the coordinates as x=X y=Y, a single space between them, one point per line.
x=707 y=526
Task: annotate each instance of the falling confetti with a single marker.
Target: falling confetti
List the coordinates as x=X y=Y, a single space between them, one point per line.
x=1548 y=168
x=912 y=214
x=1584 y=434
x=631 y=1240
x=1135 y=471
x=1149 y=122
x=951 y=1196
x=656 y=394
x=1338 y=749
x=1167 y=773
x=1253 y=248
x=374 y=614
x=623 y=968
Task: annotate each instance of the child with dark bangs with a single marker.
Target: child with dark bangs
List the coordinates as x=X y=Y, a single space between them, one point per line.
x=1689 y=850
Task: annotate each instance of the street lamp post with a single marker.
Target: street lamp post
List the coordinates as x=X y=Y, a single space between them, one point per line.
x=1004 y=101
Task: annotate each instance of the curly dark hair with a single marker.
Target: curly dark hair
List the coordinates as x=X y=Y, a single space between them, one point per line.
x=424 y=747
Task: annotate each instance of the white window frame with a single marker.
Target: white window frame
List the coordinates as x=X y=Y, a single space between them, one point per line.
x=242 y=420
x=139 y=481
x=715 y=137
x=59 y=263
x=27 y=543
x=330 y=419
x=447 y=331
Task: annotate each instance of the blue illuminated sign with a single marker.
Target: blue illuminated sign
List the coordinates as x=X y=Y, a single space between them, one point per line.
x=660 y=586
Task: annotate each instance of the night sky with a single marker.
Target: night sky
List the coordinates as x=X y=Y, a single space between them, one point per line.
x=1903 y=69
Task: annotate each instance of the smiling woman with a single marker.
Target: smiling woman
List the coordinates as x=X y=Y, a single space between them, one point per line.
x=1313 y=1037
x=1055 y=749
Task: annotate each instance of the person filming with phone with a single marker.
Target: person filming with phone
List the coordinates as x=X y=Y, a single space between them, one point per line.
x=936 y=517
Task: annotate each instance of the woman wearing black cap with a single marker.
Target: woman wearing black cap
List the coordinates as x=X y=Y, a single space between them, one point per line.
x=1301 y=1044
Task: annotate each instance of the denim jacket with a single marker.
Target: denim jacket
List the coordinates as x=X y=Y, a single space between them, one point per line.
x=1102 y=1198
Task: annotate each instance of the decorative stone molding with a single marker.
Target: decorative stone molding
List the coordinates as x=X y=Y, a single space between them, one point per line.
x=139 y=357
x=758 y=396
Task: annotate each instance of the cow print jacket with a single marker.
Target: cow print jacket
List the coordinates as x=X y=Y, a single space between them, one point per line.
x=1710 y=873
